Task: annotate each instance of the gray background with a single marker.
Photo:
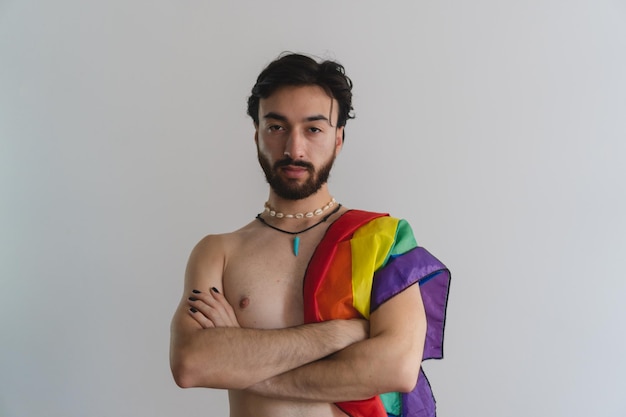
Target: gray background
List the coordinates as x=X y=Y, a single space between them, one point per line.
x=497 y=128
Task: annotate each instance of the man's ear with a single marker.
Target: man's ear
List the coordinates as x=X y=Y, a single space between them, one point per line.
x=256 y=133
x=339 y=139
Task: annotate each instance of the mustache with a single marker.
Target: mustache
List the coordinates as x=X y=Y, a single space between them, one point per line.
x=290 y=161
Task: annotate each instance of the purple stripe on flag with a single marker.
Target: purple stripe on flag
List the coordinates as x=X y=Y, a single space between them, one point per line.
x=417 y=266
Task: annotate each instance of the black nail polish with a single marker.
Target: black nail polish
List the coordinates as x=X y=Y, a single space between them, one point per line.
x=215 y=289
x=193 y=310
x=196 y=292
x=192 y=299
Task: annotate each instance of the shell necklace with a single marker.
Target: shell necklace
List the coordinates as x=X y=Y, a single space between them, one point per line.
x=272 y=212
x=296 y=238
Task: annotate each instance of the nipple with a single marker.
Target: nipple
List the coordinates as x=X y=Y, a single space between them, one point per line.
x=243 y=303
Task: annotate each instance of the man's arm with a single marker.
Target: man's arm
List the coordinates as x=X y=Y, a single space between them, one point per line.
x=233 y=357
x=389 y=361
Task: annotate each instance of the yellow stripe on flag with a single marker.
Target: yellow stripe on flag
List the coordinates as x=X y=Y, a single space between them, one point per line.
x=370 y=246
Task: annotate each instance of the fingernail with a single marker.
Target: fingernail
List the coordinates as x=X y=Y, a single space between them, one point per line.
x=193 y=310
x=196 y=292
x=215 y=289
x=192 y=299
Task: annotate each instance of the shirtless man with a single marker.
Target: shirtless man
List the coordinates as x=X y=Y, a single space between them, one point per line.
x=240 y=324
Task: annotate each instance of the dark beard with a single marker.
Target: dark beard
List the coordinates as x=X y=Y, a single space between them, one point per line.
x=290 y=189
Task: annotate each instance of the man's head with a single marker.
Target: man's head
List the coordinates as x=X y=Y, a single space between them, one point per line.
x=299 y=108
x=301 y=70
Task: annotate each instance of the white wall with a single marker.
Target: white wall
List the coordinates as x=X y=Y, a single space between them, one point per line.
x=497 y=128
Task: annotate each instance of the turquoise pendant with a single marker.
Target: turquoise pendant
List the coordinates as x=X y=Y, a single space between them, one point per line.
x=296 y=245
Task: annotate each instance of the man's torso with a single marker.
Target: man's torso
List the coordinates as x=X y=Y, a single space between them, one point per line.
x=263 y=281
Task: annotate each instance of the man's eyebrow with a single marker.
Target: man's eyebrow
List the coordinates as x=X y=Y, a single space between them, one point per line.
x=317 y=117
x=277 y=116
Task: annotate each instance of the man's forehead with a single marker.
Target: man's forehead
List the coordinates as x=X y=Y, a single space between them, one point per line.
x=310 y=102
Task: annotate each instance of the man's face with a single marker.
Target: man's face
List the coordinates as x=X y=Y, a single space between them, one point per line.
x=297 y=140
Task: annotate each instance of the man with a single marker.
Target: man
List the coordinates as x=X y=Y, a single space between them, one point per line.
x=310 y=309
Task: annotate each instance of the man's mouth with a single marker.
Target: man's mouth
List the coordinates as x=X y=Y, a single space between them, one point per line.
x=294 y=171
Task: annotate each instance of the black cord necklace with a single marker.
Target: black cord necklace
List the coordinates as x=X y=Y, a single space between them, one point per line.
x=296 y=239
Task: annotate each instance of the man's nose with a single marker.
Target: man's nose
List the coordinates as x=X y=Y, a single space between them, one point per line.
x=295 y=145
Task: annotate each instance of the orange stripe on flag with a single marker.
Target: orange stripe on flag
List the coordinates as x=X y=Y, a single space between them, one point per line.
x=334 y=295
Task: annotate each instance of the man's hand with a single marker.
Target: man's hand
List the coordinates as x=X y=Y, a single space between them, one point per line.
x=211 y=309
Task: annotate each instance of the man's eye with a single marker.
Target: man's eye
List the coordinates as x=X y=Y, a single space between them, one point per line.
x=315 y=129
x=275 y=128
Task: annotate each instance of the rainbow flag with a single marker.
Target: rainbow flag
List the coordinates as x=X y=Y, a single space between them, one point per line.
x=364 y=260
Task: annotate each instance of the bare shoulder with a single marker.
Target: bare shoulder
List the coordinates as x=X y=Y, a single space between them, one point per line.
x=220 y=245
x=209 y=257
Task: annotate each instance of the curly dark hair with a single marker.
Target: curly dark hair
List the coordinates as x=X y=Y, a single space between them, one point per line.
x=299 y=70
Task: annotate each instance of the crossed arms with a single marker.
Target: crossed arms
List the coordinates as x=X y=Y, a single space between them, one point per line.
x=331 y=361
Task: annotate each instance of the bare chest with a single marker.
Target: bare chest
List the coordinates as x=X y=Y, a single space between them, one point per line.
x=263 y=279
